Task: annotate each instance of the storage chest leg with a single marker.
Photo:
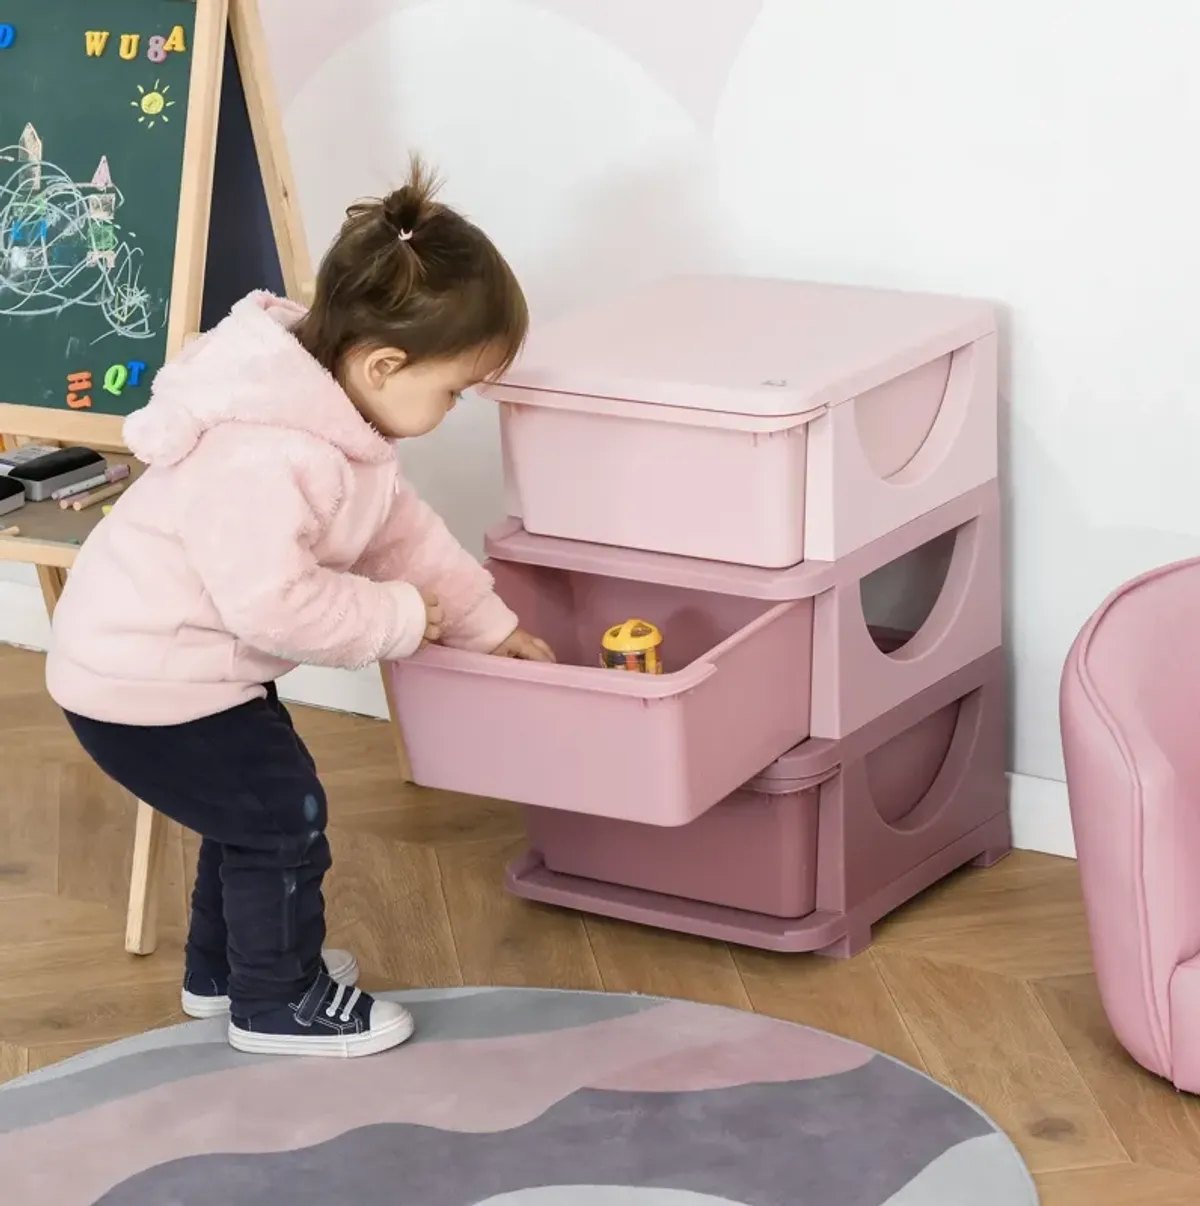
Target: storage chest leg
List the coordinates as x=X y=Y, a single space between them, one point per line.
x=990 y=857
x=854 y=941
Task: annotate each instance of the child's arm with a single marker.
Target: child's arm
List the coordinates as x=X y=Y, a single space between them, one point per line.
x=416 y=545
x=251 y=512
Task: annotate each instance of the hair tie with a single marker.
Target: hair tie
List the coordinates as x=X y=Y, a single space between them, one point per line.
x=404 y=235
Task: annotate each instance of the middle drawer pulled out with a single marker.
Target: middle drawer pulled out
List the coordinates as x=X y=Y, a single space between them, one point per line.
x=758 y=661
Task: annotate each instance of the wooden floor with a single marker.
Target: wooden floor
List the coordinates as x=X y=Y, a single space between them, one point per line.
x=984 y=982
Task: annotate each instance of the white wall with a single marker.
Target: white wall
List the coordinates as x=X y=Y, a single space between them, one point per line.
x=1039 y=152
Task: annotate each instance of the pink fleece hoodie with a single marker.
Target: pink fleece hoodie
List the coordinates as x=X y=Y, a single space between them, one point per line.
x=272 y=527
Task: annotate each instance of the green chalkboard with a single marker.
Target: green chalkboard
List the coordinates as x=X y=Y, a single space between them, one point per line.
x=93 y=109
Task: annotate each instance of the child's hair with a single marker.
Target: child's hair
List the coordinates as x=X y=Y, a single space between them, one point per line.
x=410 y=273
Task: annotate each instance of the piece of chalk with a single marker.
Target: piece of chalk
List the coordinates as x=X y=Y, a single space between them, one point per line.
x=90 y=500
x=13 y=531
x=115 y=473
x=104 y=510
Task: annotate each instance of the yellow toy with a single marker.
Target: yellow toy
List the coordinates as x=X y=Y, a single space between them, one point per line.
x=635 y=645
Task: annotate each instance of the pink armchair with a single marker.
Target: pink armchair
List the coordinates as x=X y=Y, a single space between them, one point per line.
x=1130 y=706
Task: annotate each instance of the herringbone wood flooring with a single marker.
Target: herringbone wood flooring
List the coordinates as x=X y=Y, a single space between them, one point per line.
x=984 y=982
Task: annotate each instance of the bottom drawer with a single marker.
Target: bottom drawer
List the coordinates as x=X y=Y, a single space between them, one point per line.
x=757 y=850
x=753 y=851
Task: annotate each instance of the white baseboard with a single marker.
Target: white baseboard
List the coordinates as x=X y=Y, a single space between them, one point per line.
x=23 y=619
x=357 y=691
x=1041 y=819
x=1041 y=816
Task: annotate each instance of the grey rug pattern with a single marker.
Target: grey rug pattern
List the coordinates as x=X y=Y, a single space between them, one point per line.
x=520 y=1097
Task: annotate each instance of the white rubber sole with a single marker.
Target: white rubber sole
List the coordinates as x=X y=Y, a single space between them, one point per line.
x=214 y=1007
x=203 y=1007
x=349 y=1046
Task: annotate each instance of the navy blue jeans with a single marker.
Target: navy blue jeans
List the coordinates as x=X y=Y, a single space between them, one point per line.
x=245 y=782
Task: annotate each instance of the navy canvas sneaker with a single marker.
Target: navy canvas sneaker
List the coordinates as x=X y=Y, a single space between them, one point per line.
x=204 y=997
x=330 y=1019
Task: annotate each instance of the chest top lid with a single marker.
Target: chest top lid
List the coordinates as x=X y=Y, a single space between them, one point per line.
x=745 y=346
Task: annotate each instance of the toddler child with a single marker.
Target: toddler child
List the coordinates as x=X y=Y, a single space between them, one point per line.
x=272 y=527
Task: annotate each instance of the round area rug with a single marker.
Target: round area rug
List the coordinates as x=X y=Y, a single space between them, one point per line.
x=525 y=1098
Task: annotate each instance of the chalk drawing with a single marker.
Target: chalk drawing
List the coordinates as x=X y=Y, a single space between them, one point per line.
x=152 y=106
x=62 y=247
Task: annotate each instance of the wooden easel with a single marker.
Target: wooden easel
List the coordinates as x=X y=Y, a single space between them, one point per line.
x=47 y=549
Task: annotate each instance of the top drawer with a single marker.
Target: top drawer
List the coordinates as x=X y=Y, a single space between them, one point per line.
x=750 y=421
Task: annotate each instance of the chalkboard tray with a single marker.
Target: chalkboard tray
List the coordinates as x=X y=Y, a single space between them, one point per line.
x=48 y=534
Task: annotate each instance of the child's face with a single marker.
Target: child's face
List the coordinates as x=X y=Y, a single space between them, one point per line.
x=404 y=400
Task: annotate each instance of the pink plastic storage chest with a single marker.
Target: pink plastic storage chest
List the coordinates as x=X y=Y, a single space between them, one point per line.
x=738 y=461
x=749 y=421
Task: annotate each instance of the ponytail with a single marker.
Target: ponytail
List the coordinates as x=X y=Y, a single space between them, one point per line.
x=409 y=272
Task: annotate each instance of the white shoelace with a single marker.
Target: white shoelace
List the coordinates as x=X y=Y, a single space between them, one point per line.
x=347 y=1009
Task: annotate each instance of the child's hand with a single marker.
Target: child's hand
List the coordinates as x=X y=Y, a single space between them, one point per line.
x=527 y=648
x=434 y=619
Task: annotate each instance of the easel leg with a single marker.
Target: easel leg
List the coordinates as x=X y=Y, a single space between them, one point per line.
x=397 y=733
x=145 y=880
x=52 y=580
x=141 y=924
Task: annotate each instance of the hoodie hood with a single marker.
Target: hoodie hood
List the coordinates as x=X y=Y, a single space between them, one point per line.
x=248 y=369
